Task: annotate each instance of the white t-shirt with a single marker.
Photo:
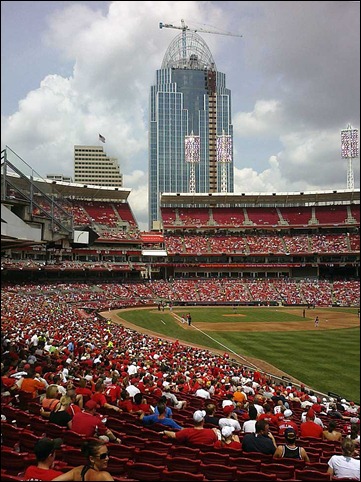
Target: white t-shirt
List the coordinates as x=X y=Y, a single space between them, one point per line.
x=230 y=422
x=249 y=426
x=345 y=467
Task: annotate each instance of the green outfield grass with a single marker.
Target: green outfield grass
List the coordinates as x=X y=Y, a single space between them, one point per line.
x=324 y=360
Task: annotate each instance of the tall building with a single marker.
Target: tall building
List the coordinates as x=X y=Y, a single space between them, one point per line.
x=93 y=166
x=189 y=98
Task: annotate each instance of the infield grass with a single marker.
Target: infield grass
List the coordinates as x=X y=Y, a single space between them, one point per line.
x=325 y=360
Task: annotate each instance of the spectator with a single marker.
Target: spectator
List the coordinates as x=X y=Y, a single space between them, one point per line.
x=45 y=455
x=228 y=440
x=230 y=419
x=210 y=414
x=345 y=465
x=113 y=391
x=88 y=423
x=173 y=399
x=140 y=405
x=290 y=449
x=159 y=418
x=198 y=435
x=100 y=398
x=261 y=441
x=60 y=415
x=331 y=433
x=97 y=456
x=249 y=426
x=355 y=434
x=202 y=392
x=287 y=422
x=125 y=404
x=310 y=428
x=74 y=407
x=50 y=402
x=30 y=383
x=168 y=410
x=268 y=415
x=83 y=390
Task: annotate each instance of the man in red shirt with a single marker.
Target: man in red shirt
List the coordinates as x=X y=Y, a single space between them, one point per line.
x=112 y=391
x=310 y=428
x=101 y=399
x=198 y=435
x=88 y=423
x=45 y=455
x=287 y=422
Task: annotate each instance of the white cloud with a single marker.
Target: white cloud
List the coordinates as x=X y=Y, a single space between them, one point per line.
x=293 y=88
x=265 y=119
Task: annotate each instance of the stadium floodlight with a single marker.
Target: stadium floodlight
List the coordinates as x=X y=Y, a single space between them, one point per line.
x=224 y=157
x=349 y=150
x=192 y=149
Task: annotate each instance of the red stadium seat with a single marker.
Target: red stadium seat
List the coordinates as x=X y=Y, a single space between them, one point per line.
x=218 y=472
x=254 y=476
x=311 y=475
x=183 y=464
x=180 y=476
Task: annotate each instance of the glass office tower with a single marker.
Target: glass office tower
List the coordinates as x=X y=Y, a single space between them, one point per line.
x=190 y=97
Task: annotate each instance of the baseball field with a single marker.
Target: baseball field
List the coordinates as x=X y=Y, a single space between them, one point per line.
x=278 y=340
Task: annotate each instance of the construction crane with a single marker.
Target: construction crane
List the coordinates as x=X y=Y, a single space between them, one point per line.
x=185 y=27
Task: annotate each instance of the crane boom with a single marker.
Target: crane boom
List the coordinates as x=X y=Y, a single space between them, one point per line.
x=185 y=27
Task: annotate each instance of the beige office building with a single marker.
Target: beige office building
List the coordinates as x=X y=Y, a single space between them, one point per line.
x=93 y=166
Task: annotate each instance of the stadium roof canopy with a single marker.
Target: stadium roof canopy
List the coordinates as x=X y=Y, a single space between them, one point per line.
x=306 y=198
x=67 y=189
x=72 y=189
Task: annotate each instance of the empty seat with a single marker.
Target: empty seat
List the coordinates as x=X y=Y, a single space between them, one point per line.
x=313 y=475
x=218 y=472
x=214 y=458
x=183 y=464
x=142 y=471
x=150 y=457
x=180 y=476
x=282 y=471
x=254 y=476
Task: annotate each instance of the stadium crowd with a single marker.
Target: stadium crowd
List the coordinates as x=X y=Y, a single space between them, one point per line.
x=142 y=389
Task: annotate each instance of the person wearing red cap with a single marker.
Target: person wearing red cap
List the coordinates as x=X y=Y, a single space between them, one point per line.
x=230 y=418
x=88 y=423
x=310 y=428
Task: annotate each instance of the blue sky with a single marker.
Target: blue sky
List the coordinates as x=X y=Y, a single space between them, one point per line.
x=71 y=70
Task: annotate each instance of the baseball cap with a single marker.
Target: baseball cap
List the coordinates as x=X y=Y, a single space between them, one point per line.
x=45 y=446
x=227 y=431
x=290 y=433
x=228 y=409
x=91 y=404
x=288 y=413
x=310 y=413
x=199 y=415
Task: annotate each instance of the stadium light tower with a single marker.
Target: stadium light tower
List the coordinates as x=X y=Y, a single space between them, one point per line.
x=224 y=157
x=192 y=146
x=349 y=150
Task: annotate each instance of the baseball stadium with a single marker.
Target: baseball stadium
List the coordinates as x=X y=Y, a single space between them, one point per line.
x=252 y=290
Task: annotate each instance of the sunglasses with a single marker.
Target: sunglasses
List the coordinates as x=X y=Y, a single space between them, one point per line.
x=103 y=456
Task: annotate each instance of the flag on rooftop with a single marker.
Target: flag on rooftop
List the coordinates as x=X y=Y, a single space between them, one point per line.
x=101 y=138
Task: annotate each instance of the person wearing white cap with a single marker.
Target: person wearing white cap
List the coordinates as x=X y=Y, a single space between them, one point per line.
x=287 y=422
x=228 y=440
x=197 y=435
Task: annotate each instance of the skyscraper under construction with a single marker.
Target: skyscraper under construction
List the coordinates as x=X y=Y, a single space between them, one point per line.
x=189 y=101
